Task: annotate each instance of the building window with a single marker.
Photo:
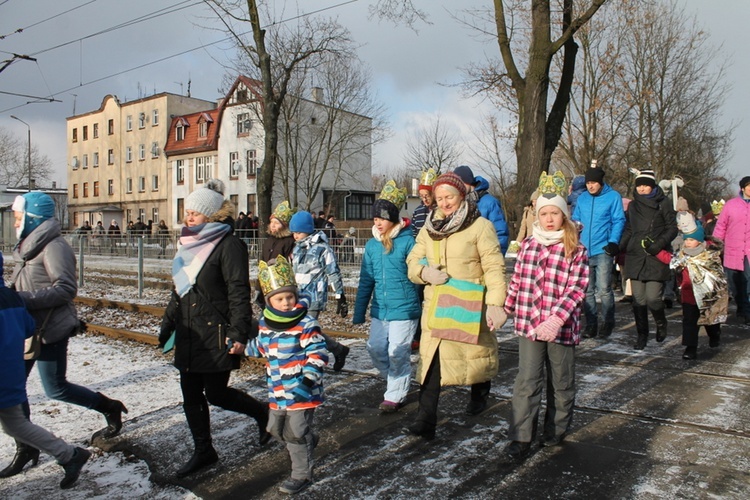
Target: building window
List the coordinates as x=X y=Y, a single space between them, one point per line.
x=74 y=163
x=128 y=215
x=242 y=95
x=85 y=189
x=95 y=130
x=96 y=159
x=128 y=154
x=142 y=120
x=142 y=215
x=75 y=219
x=180 y=132
x=179 y=166
x=110 y=127
x=358 y=205
x=141 y=152
x=129 y=185
x=85 y=132
x=141 y=184
x=234 y=164
x=252 y=201
x=110 y=157
x=252 y=162
x=244 y=124
x=111 y=187
x=203 y=128
x=155 y=118
x=75 y=135
x=234 y=199
x=129 y=123
x=180 y=209
x=85 y=161
x=203 y=168
x=154 y=183
x=96 y=188
x=155 y=215
x=75 y=190
x=154 y=150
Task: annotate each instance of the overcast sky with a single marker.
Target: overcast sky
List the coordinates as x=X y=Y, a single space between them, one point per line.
x=412 y=71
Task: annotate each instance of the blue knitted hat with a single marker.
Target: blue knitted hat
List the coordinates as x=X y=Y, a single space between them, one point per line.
x=302 y=222
x=37 y=208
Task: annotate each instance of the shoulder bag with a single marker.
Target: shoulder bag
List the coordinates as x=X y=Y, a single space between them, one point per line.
x=33 y=346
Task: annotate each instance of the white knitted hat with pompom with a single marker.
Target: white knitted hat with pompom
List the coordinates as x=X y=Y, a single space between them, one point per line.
x=208 y=199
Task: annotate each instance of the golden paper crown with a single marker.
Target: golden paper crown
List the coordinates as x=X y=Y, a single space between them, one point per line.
x=428 y=177
x=283 y=212
x=717 y=206
x=553 y=184
x=393 y=194
x=278 y=275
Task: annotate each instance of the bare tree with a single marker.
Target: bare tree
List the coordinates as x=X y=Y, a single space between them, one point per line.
x=434 y=146
x=14 y=161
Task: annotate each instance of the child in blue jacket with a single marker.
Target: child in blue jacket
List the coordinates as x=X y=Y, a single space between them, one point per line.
x=291 y=341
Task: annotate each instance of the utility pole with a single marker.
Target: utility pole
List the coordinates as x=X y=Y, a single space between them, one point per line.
x=28 y=127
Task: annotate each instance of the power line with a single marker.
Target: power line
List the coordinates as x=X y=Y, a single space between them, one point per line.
x=20 y=30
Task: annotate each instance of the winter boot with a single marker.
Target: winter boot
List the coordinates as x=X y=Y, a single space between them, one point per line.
x=112 y=411
x=589 y=332
x=24 y=455
x=660 y=318
x=641 y=326
x=340 y=354
x=200 y=427
x=478 y=402
x=606 y=330
x=73 y=467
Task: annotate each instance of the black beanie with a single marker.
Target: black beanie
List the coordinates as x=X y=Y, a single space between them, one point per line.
x=744 y=181
x=595 y=174
x=384 y=209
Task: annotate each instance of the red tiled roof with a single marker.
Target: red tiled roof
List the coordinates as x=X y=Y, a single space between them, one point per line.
x=192 y=142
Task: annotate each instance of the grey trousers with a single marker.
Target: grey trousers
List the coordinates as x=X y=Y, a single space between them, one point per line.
x=533 y=359
x=648 y=293
x=295 y=429
x=15 y=425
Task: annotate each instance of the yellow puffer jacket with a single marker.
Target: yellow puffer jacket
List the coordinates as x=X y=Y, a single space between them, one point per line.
x=472 y=254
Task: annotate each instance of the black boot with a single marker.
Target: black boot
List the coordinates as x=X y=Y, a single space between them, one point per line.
x=339 y=356
x=24 y=455
x=660 y=318
x=590 y=331
x=112 y=411
x=478 y=402
x=73 y=467
x=641 y=326
x=200 y=427
x=241 y=402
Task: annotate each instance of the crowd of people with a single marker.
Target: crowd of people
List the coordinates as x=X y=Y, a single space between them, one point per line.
x=438 y=277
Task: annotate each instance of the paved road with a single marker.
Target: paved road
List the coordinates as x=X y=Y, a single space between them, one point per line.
x=647 y=425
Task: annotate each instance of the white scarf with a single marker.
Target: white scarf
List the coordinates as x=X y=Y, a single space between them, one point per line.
x=547 y=238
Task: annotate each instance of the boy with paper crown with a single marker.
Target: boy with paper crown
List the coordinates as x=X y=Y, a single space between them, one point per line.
x=420 y=214
x=703 y=285
x=295 y=352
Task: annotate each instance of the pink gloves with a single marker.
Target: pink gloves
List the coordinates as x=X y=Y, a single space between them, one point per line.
x=548 y=329
x=496 y=317
x=433 y=275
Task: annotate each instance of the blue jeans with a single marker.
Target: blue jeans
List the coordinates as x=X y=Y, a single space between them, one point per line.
x=600 y=285
x=389 y=346
x=53 y=365
x=739 y=287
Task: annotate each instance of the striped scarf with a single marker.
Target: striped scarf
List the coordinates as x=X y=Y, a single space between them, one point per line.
x=195 y=246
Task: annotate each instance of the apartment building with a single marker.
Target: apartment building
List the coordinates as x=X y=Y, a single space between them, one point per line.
x=117 y=168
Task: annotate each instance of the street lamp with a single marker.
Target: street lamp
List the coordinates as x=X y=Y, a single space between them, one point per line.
x=29 y=127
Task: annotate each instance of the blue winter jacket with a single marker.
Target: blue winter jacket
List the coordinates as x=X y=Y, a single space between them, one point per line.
x=314 y=264
x=16 y=324
x=384 y=278
x=603 y=219
x=490 y=208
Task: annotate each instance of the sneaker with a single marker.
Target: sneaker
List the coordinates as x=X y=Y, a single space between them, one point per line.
x=293 y=486
x=340 y=358
x=691 y=352
x=517 y=450
x=389 y=407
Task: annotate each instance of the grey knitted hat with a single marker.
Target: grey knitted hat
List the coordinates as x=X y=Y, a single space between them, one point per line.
x=208 y=199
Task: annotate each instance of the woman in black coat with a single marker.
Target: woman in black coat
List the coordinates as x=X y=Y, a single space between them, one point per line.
x=647 y=242
x=210 y=314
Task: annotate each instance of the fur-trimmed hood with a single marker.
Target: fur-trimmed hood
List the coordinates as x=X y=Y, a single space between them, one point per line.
x=225 y=214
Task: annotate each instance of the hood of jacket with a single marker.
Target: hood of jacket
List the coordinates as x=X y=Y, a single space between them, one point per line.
x=481 y=184
x=36 y=240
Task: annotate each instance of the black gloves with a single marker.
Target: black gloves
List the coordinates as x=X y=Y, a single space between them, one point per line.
x=612 y=249
x=343 y=308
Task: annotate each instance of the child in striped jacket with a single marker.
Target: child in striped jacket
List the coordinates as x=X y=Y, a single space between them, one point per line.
x=291 y=341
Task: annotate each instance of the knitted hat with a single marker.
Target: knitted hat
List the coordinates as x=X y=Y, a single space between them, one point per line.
x=645 y=178
x=744 y=181
x=427 y=179
x=277 y=277
x=466 y=175
x=595 y=174
x=37 y=208
x=690 y=227
x=451 y=179
x=302 y=222
x=389 y=203
x=552 y=191
x=283 y=212
x=208 y=199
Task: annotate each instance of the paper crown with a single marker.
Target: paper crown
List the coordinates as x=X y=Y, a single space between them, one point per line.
x=428 y=177
x=717 y=206
x=554 y=184
x=283 y=212
x=276 y=276
x=392 y=193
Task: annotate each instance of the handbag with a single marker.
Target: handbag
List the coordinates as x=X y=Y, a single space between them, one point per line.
x=33 y=345
x=455 y=311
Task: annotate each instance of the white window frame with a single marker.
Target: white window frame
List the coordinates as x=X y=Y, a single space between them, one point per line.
x=154 y=183
x=129 y=185
x=95 y=159
x=234 y=164
x=252 y=161
x=95 y=131
x=141 y=152
x=110 y=157
x=244 y=123
x=85 y=161
x=179 y=132
x=110 y=187
x=155 y=118
x=203 y=128
x=155 y=215
x=154 y=149
x=128 y=154
x=128 y=123
x=141 y=184
x=141 y=120
x=179 y=167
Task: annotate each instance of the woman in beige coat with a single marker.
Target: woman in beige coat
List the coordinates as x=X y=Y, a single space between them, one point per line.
x=457 y=243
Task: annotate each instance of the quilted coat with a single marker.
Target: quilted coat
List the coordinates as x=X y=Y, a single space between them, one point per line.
x=733 y=227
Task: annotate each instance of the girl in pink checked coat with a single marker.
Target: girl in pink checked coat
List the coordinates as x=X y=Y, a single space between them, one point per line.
x=545 y=294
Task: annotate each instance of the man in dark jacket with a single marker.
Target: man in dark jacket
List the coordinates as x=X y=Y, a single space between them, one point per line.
x=489 y=206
